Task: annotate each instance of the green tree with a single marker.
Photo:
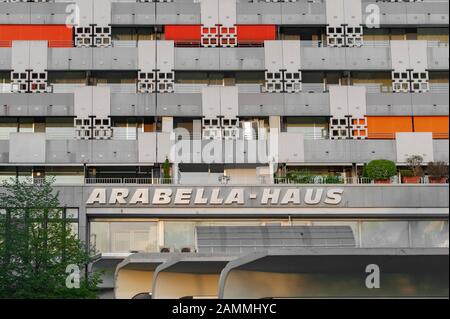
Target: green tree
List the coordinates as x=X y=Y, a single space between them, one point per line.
x=380 y=169
x=166 y=169
x=37 y=246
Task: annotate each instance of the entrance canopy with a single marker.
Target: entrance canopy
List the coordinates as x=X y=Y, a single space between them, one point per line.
x=337 y=272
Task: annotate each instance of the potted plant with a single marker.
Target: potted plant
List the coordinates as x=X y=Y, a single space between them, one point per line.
x=381 y=171
x=437 y=172
x=299 y=177
x=166 y=171
x=333 y=179
x=414 y=174
x=407 y=176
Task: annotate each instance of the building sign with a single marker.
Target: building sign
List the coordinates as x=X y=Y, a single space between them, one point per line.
x=210 y=196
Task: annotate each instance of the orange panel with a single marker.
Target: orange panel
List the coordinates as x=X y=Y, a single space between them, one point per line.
x=438 y=125
x=183 y=33
x=256 y=33
x=385 y=127
x=56 y=35
x=245 y=33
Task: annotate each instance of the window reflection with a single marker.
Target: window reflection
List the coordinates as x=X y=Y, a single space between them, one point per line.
x=124 y=237
x=116 y=236
x=429 y=234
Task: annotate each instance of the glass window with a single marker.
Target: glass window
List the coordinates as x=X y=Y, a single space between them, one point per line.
x=26 y=125
x=353 y=225
x=7 y=126
x=429 y=234
x=72 y=213
x=384 y=234
x=74 y=229
x=182 y=234
x=179 y=235
x=124 y=237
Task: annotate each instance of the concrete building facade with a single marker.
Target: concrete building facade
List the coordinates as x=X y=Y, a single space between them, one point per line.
x=216 y=148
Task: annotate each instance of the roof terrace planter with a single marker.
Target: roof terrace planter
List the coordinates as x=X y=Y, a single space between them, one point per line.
x=409 y=178
x=438 y=172
x=414 y=173
x=381 y=171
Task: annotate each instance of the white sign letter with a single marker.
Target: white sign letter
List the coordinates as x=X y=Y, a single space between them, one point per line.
x=118 y=196
x=162 y=196
x=98 y=195
x=334 y=196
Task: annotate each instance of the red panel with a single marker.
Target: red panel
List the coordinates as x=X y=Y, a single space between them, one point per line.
x=256 y=33
x=56 y=35
x=183 y=33
x=246 y=34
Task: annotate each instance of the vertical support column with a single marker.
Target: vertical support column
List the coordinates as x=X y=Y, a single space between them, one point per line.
x=165 y=65
x=92 y=107
x=167 y=124
x=20 y=66
x=353 y=23
x=400 y=66
x=227 y=23
x=83 y=112
x=93 y=28
x=344 y=23
x=101 y=107
x=335 y=20
x=273 y=51
x=275 y=124
x=102 y=23
x=197 y=129
x=274 y=151
x=339 y=122
x=292 y=66
x=418 y=62
x=29 y=66
x=410 y=66
x=348 y=106
x=357 y=110
x=38 y=66
x=147 y=67
x=83 y=27
x=210 y=23
x=229 y=105
x=211 y=113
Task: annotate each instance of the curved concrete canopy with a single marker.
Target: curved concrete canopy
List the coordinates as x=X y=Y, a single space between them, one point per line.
x=189 y=276
x=134 y=275
x=337 y=272
x=107 y=263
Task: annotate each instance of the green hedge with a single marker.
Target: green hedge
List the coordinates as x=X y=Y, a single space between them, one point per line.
x=380 y=169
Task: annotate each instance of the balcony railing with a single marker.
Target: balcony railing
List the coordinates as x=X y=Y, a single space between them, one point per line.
x=189 y=88
x=244 y=44
x=130 y=181
x=223 y=180
x=321 y=180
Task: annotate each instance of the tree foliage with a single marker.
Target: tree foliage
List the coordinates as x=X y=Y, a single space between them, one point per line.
x=166 y=169
x=37 y=245
x=380 y=169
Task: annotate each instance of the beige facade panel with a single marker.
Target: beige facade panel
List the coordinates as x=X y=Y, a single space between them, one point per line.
x=147 y=56
x=410 y=144
x=209 y=15
x=147 y=147
x=27 y=148
x=227 y=12
x=335 y=12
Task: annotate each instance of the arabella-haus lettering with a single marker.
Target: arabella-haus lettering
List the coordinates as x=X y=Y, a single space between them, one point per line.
x=214 y=196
